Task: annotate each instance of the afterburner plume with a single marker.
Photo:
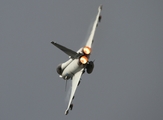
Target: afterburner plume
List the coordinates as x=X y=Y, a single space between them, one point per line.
x=83 y=59
x=87 y=50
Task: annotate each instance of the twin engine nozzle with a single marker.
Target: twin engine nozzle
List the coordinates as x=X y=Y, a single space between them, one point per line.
x=84 y=59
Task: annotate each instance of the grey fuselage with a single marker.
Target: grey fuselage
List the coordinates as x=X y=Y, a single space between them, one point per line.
x=67 y=69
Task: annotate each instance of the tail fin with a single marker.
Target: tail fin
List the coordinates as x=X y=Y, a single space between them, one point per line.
x=68 y=51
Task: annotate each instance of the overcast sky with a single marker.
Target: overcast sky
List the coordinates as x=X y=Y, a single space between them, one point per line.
x=127 y=81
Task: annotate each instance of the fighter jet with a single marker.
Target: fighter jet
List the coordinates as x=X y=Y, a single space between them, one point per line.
x=78 y=62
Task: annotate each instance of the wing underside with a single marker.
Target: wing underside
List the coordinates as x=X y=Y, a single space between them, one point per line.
x=74 y=83
x=97 y=20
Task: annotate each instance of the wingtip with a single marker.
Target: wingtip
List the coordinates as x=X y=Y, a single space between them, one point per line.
x=100 y=7
x=66 y=112
x=52 y=42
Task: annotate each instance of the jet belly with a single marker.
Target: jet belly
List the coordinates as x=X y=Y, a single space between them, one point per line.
x=71 y=69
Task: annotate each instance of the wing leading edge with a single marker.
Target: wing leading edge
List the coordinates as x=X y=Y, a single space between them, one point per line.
x=74 y=84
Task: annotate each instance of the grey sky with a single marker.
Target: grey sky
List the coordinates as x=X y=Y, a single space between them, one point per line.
x=127 y=81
